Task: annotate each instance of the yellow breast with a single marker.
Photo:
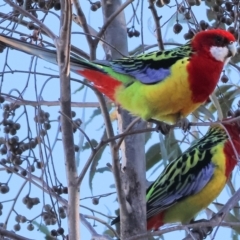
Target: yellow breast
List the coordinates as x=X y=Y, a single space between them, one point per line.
x=166 y=101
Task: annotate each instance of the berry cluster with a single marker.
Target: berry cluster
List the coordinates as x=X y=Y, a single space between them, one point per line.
x=132 y=32
x=30 y=202
x=95 y=5
x=60 y=190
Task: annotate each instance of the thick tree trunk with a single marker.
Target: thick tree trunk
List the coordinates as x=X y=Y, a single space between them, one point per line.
x=133 y=218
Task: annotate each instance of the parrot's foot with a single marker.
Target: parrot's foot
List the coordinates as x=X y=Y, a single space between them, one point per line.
x=202 y=232
x=163 y=127
x=184 y=124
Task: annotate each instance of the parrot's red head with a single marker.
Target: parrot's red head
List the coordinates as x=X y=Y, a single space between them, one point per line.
x=233 y=130
x=217 y=44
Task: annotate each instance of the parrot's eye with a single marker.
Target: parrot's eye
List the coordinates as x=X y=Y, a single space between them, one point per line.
x=219 y=40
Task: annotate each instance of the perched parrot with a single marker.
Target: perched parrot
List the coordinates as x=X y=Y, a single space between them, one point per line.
x=193 y=180
x=162 y=85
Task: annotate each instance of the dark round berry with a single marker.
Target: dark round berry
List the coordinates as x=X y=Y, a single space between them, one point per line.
x=24 y=173
x=3 y=150
x=32 y=168
x=2 y=99
x=204 y=25
x=4 y=189
x=198 y=2
x=76 y=148
x=94 y=7
x=18 y=218
x=65 y=190
x=54 y=188
x=78 y=122
x=130 y=34
x=41 y=3
x=98 y=3
x=219 y=2
x=73 y=114
x=25 y=200
x=30 y=25
x=159 y=3
x=54 y=233
x=229 y=6
x=187 y=15
x=23 y=219
x=181 y=9
x=95 y=201
x=47 y=126
x=188 y=36
x=136 y=33
x=35 y=201
x=13 y=131
x=39 y=165
x=231 y=30
x=47 y=207
x=229 y=21
x=57 y=6
x=30 y=227
x=177 y=28
x=166 y=2
x=17 y=227
x=216 y=8
x=224 y=78
x=60 y=231
x=191 y=2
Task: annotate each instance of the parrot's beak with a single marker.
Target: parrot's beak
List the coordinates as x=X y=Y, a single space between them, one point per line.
x=232 y=49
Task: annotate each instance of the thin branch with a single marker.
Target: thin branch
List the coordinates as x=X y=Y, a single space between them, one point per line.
x=83 y=21
x=157 y=23
x=12 y=235
x=110 y=19
x=34 y=19
x=103 y=222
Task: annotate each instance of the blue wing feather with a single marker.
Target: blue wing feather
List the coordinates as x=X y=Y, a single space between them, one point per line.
x=188 y=186
x=149 y=68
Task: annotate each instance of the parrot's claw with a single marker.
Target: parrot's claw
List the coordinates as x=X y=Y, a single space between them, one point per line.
x=184 y=124
x=163 y=127
x=202 y=231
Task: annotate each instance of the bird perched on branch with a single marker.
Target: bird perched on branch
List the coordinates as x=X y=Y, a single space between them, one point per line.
x=193 y=180
x=162 y=85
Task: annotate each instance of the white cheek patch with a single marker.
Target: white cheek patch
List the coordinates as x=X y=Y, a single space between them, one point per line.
x=219 y=53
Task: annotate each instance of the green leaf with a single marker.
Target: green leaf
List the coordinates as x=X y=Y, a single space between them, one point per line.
x=226 y=100
x=103 y=169
x=210 y=14
x=44 y=229
x=236 y=59
x=95 y=113
x=153 y=156
x=79 y=89
x=235 y=94
x=93 y=167
x=172 y=146
x=207 y=114
x=87 y=145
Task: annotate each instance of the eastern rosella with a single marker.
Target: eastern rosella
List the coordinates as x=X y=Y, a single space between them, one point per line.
x=193 y=180
x=161 y=85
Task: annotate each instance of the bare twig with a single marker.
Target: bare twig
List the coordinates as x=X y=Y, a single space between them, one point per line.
x=34 y=19
x=12 y=235
x=157 y=23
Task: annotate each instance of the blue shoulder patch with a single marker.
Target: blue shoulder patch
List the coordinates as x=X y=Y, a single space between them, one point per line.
x=145 y=75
